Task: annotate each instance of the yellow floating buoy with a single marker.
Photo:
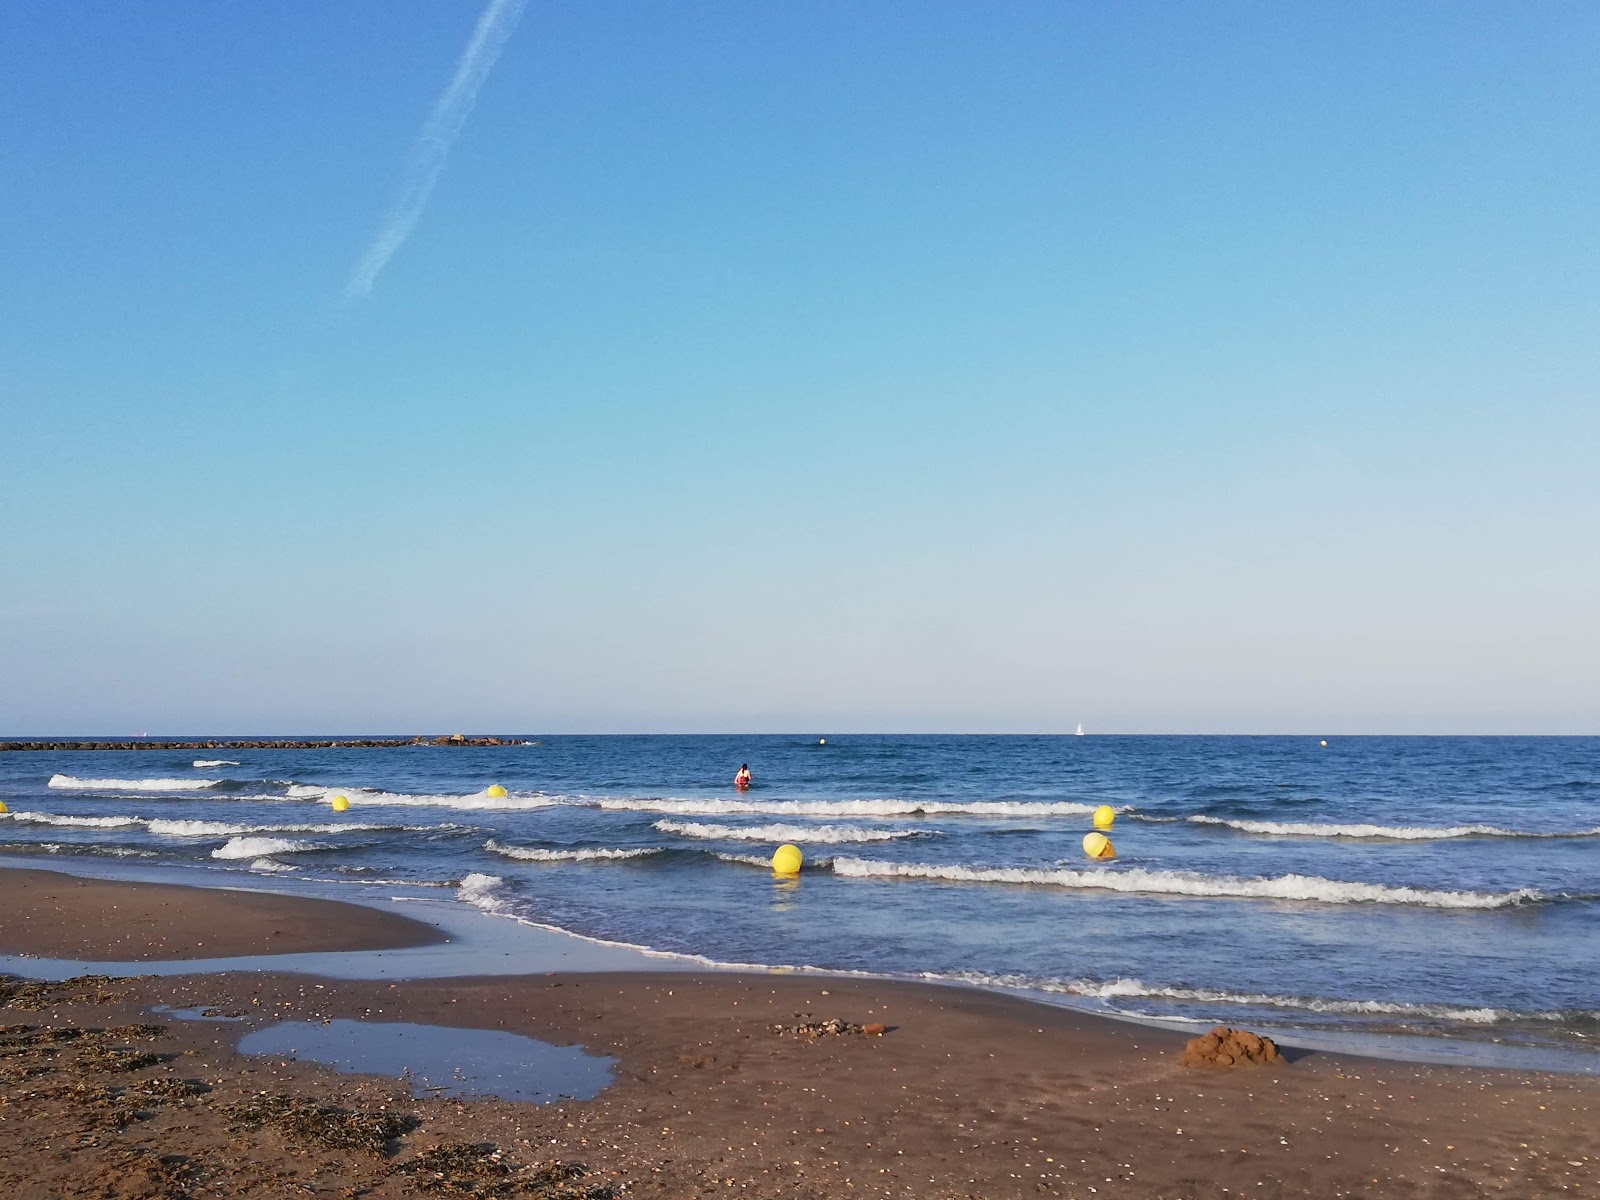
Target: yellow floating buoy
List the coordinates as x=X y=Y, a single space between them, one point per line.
x=1098 y=845
x=495 y=790
x=3 y=807
x=822 y=741
x=1104 y=816
x=340 y=804
x=786 y=860
x=1324 y=741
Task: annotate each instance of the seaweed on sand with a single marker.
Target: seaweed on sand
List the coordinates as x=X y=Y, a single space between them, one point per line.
x=479 y=1169
x=323 y=1125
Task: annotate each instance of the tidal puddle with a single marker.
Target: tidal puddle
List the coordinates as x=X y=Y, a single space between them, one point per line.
x=437 y=1060
x=194 y=1014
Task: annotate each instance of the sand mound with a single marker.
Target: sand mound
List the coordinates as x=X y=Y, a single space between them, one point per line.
x=1224 y=1047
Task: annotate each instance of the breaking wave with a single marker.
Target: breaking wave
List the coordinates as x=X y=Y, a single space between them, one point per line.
x=847 y=808
x=205 y=764
x=258 y=847
x=1183 y=883
x=131 y=785
x=784 y=833
x=1120 y=988
x=533 y=854
x=1404 y=833
x=471 y=801
x=175 y=828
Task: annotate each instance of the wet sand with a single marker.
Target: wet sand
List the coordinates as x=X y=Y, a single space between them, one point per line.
x=966 y=1094
x=51 y=915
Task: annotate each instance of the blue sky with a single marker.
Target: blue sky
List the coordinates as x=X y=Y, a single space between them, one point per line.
x=830 y=366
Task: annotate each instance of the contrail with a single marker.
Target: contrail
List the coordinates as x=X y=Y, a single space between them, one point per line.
x=426 y=160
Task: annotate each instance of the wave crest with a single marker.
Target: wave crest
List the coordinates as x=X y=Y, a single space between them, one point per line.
x=534 y=854
x=260 y=847
x=847 y=808
x=783 y=833
x=72 y=783
x=1399 y=833
x=1182 y=883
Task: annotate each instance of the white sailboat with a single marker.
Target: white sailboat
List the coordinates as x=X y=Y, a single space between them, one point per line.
x=1080 y=728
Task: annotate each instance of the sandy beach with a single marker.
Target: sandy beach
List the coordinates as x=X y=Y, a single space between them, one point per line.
x=965 y=1094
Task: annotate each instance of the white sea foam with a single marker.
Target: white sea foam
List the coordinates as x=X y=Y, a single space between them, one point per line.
x=480 y=891
x=846 y=808
x=73 y=783
x=756 y=860
x=783 y=833
x=1405 y=833
x=473 y=801
x=205 y=764
x=255 y=847
x=1185 y=883
x=1116 y=989
x=534 y=854
x=271 y=866
x=172 y=828
x=42 y=818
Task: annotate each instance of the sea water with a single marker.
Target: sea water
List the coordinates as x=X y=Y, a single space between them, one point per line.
x=1441 y=887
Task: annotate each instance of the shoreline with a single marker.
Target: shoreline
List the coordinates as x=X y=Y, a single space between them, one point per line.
x=968 y=1092
x=467 y=940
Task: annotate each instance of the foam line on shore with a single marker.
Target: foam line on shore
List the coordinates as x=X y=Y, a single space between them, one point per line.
x=1121 y=988
x=1139 y=880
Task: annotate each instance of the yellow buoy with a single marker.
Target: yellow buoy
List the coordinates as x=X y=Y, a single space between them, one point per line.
x=822 y=741
x=786 y=860
x=1098 y=845
x=1324 y=742
x=496 y=791
x=1104 y=816
x=3 y=807
x=340 y=804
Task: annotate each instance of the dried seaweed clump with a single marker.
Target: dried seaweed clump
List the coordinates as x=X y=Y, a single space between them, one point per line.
x=324 y=1124
x=117 y=1058
x=833 y=1027
x=31 y=995
x=479 y=1169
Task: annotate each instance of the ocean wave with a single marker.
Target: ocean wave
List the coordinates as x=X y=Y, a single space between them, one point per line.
x=1405 y=833
x=474 y=801
x=784 y=833
x=763 y=861
x=173 y=828
x=1184 y=883
x=39 y=818
x=73 y=783
x=258 y=847
x=271 y=866
x=1122 y=988
x=76 y=848
x=534 y=854
x=845 y=808
x=206 y=764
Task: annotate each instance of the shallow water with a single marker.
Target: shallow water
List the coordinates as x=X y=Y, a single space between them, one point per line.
x=1425 y=886
x=440 y=1060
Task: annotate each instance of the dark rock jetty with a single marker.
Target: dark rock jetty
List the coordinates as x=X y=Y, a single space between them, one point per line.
x=454 y=739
